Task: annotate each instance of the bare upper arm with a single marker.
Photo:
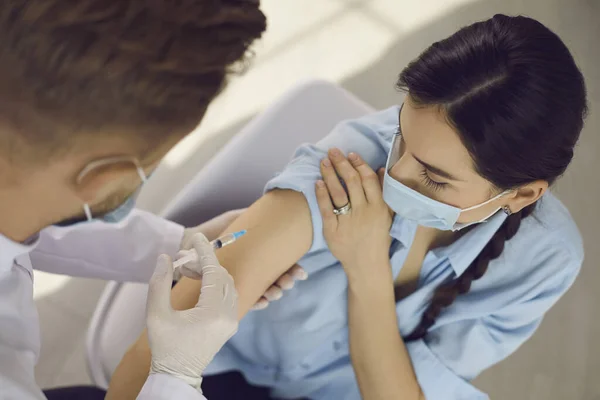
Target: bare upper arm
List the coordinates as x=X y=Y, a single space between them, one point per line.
x=279 y=234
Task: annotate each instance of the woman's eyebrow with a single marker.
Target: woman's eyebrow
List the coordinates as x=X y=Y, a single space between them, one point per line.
x=429 y=167
x=436 y=170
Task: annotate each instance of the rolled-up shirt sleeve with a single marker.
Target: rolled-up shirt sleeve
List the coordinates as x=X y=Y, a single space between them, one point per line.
x=369 y=136
x=124 y=251
x=450 y=356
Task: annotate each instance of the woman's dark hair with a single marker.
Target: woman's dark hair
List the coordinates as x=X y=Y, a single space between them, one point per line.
x=512 y=91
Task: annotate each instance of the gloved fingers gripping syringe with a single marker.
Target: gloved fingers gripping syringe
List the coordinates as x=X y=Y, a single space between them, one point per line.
x=187 y=256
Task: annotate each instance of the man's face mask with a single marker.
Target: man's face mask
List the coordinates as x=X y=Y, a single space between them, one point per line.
x=414 y=206
x=120 y=212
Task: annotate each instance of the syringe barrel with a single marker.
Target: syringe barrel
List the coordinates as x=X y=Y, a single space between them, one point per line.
x=225 y=240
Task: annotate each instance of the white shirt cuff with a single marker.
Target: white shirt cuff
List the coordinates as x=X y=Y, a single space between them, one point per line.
x=163 y=387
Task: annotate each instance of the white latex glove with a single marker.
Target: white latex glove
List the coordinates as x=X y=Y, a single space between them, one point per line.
x=212 y=229
x=183 y=343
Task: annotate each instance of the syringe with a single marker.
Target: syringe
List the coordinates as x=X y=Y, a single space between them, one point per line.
x=225 y=240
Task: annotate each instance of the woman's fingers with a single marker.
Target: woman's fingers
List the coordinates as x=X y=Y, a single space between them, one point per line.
x=285 y=282
x=261 y=304
x=336 y=190
x=273 y=293
x=325 y=206
x=370 y=180
x=381 y=175
x=350 y=176
x=298 y=273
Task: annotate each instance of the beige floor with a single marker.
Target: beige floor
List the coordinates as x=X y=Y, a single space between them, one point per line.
x=363 y=45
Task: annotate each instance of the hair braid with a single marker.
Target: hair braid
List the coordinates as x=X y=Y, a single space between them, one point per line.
x=446 y=293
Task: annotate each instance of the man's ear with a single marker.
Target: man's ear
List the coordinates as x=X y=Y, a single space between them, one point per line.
x=526 y=195
x=99 y=183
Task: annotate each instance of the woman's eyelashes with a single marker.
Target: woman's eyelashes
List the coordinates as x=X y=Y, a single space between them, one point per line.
x=430 y=183
x=427 y=181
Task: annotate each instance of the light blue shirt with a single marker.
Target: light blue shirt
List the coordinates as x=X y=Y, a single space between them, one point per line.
x=299 y=345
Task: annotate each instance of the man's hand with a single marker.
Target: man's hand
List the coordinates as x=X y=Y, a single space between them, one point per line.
x=216 y=226
x=183 y=343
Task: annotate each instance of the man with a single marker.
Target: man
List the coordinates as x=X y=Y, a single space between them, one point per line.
x=92 y=95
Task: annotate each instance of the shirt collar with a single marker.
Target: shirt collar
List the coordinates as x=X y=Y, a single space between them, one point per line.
x=10 y=249
x=463 y=251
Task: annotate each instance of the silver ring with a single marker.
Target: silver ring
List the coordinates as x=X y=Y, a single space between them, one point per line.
x=343 y=210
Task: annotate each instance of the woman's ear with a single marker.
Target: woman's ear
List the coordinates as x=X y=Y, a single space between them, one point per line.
x=526 y=195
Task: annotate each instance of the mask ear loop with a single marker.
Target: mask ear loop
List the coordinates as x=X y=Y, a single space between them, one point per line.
x=488 y=202
x=141 y=172
x=107 y=161
x=111 y=160
x=88 y=212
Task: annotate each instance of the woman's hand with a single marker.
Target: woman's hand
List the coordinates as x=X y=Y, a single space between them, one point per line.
x=359 y=239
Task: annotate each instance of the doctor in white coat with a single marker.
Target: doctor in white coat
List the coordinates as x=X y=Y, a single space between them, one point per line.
x=91 y=98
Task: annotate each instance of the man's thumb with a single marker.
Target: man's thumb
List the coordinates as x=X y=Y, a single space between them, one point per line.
x=159 y=290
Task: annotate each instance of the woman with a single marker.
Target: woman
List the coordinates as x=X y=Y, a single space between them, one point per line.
x=478 y=249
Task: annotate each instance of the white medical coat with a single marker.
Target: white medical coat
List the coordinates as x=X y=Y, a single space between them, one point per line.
x=124 y=252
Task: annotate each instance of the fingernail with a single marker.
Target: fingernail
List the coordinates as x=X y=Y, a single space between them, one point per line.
x=353 y=157
x=335 y=152
x=287 y=285
x=326 y=162
x=320 y=183
x=302 y=275
x=260 y=305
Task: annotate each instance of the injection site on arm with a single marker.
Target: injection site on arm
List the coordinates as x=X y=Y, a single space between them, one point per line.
x=191 y=255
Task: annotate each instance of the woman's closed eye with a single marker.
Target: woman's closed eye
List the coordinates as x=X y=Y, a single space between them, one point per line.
x=430 y=183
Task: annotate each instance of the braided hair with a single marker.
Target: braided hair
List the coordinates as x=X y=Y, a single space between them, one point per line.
x=512 y=92
x=445 y=294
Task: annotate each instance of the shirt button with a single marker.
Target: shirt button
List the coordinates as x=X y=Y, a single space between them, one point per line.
x=305 y=366
x=337 y=345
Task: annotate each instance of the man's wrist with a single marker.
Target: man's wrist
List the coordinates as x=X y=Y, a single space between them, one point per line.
x=165 y=386
x=193 y=381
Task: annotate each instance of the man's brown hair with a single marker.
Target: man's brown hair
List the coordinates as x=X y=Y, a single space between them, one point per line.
x=151 y=67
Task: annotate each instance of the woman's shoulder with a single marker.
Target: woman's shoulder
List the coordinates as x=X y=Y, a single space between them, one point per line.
x=383 y=123
x=553 y=227
x=385 y=118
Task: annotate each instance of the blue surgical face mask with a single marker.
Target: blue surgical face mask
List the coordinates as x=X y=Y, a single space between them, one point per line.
x=414 y=206
x=123 y=210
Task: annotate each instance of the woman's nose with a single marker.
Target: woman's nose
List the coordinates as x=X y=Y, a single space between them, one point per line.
x=406 y=172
